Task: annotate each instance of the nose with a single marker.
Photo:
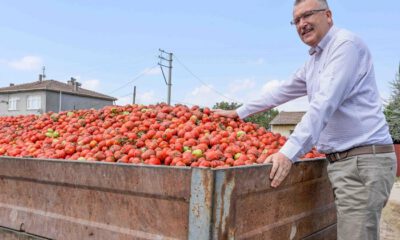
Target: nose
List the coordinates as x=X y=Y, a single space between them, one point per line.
x=302 y=23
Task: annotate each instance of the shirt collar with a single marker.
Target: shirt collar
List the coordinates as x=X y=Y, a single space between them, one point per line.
x=325 y=40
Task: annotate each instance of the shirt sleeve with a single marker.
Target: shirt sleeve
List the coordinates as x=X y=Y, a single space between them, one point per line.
x=336 y=81
x=288 y=90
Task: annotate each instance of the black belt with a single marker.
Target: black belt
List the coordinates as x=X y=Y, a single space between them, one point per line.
x=370 y=149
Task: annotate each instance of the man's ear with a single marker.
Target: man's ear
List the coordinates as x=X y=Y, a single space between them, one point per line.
x=328 y=14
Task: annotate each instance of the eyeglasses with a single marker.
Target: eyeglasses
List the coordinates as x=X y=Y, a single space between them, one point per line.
x=305 y=16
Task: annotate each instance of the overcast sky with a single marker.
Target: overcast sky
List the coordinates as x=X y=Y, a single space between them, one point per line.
x=223 y=50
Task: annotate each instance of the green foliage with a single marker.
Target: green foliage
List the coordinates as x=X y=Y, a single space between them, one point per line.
x=226 y=105
x=392 y=110
x=261 y=118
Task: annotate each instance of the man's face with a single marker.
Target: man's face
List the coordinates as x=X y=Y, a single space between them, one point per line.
x=312 y=25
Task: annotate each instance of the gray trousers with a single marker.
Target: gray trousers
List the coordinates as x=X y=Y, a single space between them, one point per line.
x=361 y=185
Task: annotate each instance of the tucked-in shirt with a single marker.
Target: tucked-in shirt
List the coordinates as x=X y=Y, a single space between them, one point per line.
x=345 y=109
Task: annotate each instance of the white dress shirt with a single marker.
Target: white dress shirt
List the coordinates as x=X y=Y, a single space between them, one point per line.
x=345 y=109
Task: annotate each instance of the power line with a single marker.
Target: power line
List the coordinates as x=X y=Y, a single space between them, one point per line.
x=126 y=95
x=204 y=83
x=94 y=69
x=134 y=79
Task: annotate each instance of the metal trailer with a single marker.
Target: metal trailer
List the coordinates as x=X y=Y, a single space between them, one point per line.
x=53 y=199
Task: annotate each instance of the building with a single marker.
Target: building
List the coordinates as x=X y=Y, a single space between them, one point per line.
x=285 y=122
x=49 y=95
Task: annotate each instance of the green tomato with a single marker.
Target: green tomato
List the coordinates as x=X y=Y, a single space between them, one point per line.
x=197 y=153
x=49 y=134
x=56 y=134
x=237 y=155
x=240 y=133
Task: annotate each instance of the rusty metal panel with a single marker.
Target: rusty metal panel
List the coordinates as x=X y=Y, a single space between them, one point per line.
x=329 y=233
x=224 y=206
x=256 y=179
x=81 y=200
x=145 y=179
x=10 y=234
x=246 y=207
x=201 y=201
x=71 y=200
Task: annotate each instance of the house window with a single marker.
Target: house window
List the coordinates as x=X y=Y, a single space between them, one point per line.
x=33 y=102
x=13 y=103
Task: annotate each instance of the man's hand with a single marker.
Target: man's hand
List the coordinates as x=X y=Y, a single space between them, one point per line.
x=280 y=168
x=226 y=113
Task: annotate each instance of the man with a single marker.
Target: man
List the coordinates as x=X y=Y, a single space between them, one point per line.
x=344 y=120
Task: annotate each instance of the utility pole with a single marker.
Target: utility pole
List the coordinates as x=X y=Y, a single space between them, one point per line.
x=169 y=60
x=134 y=95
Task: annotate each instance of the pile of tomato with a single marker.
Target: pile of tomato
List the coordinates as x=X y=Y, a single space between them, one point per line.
x=155 y=134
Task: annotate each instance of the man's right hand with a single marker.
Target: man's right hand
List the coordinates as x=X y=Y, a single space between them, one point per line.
x=226 y=113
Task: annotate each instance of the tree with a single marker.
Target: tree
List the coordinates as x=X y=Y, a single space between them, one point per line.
x=392 y=110
x=226 y=105
x=263 y=118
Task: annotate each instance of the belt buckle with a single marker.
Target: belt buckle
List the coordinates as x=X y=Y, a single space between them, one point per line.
x=333 y=157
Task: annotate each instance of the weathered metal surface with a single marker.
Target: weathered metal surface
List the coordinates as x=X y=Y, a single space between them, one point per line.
x=397 y=152
x=10 y=234
x=80 y=200
x=201 y=201
x=328 y=233
x=248 y=208
x=74 y=200
x=224 y=209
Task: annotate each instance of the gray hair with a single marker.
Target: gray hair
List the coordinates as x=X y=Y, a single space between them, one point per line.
x=322 y=3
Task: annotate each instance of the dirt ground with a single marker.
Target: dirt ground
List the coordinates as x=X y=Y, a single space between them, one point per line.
x=390 y=222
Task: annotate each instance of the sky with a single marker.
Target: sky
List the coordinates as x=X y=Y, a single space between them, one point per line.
x=229 y=51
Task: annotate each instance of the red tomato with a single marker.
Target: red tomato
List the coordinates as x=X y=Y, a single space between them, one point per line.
x=153 y=134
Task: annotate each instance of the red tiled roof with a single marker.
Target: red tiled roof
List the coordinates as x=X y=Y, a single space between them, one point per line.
x=53 y=85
